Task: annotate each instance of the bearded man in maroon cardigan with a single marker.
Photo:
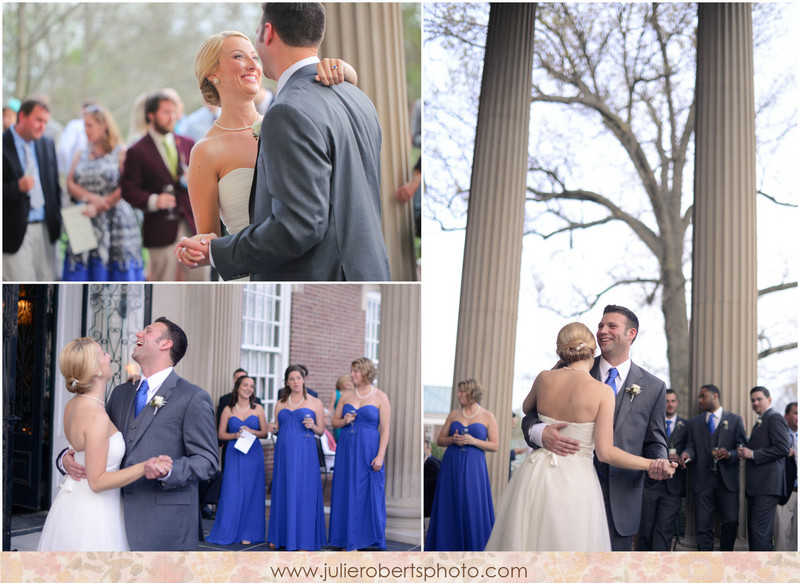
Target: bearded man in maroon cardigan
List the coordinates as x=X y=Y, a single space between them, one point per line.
x=153 y=180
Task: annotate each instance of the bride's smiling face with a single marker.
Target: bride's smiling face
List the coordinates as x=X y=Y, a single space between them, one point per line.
x=239 y=68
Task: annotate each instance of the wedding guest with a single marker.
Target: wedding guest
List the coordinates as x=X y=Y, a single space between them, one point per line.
x=515 y=451
x=31 y=197
x=344 y=383
x=296 y=516
x=765 y=481
x=9 y=117
x=463 y=513
x=73 y=139
x=714 y=472
x=661 y=501
x=137 y=125
x=196 y=124
x=93 y=180
x=240 y=513
x=310 y=391
x=785 y=529
x=328 y=443
x=358 y=492
x=153 y=181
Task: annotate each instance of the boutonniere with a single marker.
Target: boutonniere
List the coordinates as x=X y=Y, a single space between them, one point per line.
x=257 y=129
x=758 y=422
x=633 y=390
x=725 y=424
x=679 y=424
x=157 y=402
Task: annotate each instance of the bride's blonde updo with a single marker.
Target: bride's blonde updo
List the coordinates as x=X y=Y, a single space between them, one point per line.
x=575 y=342
x=79 y=364
x=206 y=61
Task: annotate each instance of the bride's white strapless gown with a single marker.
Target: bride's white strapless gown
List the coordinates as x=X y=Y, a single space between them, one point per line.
x=82 y=520
x=234 y=200
x=554 y=503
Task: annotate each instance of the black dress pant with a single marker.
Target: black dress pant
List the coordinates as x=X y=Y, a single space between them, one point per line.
x=728 y=502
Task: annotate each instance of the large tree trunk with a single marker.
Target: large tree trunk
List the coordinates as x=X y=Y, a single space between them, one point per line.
x=676 y=326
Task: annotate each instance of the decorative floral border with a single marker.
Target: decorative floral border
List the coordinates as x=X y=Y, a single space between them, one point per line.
x=29 y=567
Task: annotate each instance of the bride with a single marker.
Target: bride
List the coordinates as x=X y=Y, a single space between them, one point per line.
x=87 y=515
x=554 y=503
x=222 y=164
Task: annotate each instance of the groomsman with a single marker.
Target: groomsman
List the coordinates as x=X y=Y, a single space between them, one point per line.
x=31 y=197
x=661 y=501
x=765 y=481
x=785 y=529
x=714 y=476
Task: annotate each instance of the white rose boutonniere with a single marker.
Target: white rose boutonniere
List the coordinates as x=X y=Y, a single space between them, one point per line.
x=157 y=402
x=633 y=390
x=257 y=129
x=758 y=422
x=680 y=424
x=725 y=424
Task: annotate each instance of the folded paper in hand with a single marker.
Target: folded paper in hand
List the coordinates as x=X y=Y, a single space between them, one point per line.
x=245 y=441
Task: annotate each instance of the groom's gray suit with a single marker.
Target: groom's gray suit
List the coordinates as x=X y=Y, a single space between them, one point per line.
x=639 y=430
x=163 y=515
x=315 y=208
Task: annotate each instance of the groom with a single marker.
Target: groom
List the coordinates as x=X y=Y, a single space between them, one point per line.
x=315 y=208
x=638 y=423
x=175 y=418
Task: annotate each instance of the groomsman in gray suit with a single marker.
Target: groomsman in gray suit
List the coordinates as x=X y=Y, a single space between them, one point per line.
x=315 y=206
x=168 y=415
x=765 y=480
x=638 y=424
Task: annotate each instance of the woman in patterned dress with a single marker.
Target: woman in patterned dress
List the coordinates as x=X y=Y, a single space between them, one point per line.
x=94 y=181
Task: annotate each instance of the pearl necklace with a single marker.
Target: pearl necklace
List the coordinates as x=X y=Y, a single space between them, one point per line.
x=103 y=403
x=235 y=129
x=293 y=403
x=576 y=369
x=240 y=409
x=371 y=388
x=464 y=413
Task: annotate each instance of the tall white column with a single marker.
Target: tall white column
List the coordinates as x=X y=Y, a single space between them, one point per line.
x=724 y=289
x=400 y=377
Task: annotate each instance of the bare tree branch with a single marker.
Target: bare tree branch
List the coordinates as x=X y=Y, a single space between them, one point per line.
x=777 y=349
x=776 y=288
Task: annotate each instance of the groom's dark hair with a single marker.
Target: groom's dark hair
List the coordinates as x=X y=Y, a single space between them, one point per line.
x=178 y=338
x=298 y=24
x=633 y=321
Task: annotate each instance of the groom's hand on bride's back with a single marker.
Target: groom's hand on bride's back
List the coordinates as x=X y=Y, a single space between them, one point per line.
x=553 y=441
x=75 y=470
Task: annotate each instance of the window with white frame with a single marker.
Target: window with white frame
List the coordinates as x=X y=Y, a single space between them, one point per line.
x=266 y=311
x=372 y=325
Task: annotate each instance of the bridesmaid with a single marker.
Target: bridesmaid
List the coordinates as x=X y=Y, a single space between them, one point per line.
x=462 y=515
x=358 y=497
x=296 y=516
x=241 y=516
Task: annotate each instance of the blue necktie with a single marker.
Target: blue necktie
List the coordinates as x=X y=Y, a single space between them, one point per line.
x=669 y=427
x=711 y=425
x=610 y=381
x=141 y=396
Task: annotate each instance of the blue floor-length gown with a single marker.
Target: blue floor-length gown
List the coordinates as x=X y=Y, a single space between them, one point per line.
x=296 y=515
x=462 y=515
x=241 y=513
x=358 y=494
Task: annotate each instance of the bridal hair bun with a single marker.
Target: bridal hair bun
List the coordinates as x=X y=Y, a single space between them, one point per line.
x=78 y=362
x=575 y=342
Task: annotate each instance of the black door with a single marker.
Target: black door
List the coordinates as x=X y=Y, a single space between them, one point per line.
x=31 y=398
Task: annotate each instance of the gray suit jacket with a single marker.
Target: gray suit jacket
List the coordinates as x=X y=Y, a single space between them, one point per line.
x=163 y=516
x=316 y=210
x=770 y=443
x=638 y=429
